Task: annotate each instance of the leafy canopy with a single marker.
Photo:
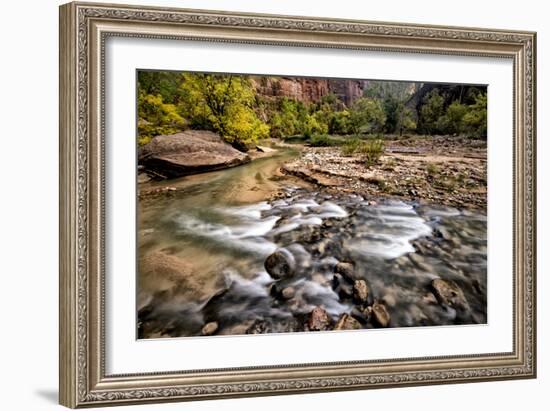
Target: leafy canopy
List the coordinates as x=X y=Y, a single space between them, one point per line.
x=223 y=103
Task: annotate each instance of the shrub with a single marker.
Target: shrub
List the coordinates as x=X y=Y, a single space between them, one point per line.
x=323 y=140
x=372 y=150
x=432 y=169
x=351 y=146
x=339 y=122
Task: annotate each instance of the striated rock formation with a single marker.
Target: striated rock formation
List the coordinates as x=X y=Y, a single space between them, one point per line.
x=347 y=90
x=310 y=89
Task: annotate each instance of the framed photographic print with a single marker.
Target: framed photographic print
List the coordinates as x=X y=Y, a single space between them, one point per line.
x=259 y=204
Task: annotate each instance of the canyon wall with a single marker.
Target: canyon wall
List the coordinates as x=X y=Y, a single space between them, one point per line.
x=310 y=89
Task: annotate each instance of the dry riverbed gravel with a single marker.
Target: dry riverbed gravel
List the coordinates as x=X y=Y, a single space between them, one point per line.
x=443 y=170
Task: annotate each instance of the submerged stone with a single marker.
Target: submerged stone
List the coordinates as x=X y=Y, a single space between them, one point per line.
x=280 y=264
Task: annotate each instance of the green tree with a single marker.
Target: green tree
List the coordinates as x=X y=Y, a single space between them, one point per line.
x=475 y=119
x=313 y=124
x=405 y=120
x=452 y=121
x=284 y=119
x=225 y=104
x=340 y=122
x=430 y=111
x=164 y=83
x=367 y=115
x=155 y=117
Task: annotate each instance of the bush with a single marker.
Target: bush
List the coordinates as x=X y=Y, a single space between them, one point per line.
x=432 y=169
x=351 y=146
x=339 y=122
x=323 y=140
x=372 y=150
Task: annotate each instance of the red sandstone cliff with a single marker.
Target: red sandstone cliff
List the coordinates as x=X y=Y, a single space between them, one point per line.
x=309 y=89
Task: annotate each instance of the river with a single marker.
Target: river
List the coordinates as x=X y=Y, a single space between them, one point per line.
x=202 y=252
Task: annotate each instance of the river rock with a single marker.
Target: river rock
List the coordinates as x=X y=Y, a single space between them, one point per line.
x=360 y=291
x=337 y=280
x=342 y=287
x=347 y=270
x=420 y=262
x=188 y=152
x=143 y=178
x=280 y=264
x=429 y=298
x=209 y=328
x=159 y=267
x=347 y=322
x=380 y=315
x=288 y=293
x=259 y=327
x=318 y=320
x=448 y=292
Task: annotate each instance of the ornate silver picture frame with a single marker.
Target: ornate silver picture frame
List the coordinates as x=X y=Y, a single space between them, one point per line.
x=84 y=29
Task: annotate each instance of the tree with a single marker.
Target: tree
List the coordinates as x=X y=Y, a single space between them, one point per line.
x=164 y=83
x=339 y=122
x=313 y=125
x=475 y=119
x=155 y=117
x=452 y=121
x=284 y=119
x=430 y=111
x=405 y=119
x=367 y=115
x=225 y=104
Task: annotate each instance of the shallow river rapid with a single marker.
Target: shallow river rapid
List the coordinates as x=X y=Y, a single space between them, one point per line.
x=202 y=252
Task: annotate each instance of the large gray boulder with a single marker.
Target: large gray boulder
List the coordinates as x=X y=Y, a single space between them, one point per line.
x=188 y=152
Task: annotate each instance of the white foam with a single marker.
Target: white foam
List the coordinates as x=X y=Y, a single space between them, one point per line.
x=253 y=211
x=394 y=226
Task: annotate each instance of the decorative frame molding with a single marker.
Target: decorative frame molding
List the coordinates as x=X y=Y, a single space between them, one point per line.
x=83 y=30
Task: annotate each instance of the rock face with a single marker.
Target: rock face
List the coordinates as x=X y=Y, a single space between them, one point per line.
x=318 y=320
x=280 y=264
x=310 y=89
x=189 y=152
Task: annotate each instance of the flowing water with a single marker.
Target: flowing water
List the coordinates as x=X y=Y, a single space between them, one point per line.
x=202 y=252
